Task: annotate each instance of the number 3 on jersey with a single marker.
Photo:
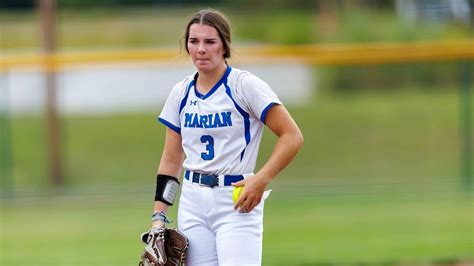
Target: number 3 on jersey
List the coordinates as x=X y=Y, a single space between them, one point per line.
x=209 y=140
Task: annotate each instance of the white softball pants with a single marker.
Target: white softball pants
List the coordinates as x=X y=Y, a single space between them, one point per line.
x=218 y=234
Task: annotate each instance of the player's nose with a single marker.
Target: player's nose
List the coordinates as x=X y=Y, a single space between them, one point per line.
x=201 y=49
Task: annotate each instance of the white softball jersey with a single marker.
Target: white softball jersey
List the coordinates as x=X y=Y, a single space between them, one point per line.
x=221 y=130
x=221 y=133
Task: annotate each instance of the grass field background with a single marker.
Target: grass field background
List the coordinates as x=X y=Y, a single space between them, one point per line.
x=377 y=182
x=384 y=135
x=306 y=223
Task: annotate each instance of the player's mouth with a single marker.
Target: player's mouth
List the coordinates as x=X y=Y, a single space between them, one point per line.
x=203 y=62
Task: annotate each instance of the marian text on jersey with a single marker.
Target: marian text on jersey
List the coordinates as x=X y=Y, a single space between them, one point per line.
x=222 y=119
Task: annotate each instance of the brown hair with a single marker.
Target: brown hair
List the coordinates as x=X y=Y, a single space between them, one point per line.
x=214 y=19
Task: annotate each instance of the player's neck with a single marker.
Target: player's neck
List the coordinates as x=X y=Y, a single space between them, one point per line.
x=207 y=80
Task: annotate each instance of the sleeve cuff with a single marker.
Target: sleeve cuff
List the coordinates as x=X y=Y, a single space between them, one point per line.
x=264 y=112
x=171 y=126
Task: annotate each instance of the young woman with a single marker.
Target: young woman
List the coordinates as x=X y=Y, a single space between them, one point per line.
x=215 y=119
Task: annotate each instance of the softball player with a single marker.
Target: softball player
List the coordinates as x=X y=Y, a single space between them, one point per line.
x=215 y=120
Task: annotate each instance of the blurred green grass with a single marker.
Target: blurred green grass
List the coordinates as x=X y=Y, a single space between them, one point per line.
x=377 y=182
x=388 y=135
x=303 y=226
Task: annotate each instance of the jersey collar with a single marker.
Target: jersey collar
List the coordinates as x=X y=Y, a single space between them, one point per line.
x=218 y=84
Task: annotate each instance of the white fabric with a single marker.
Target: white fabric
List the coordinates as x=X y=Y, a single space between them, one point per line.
x=213 y=131
x=221 y=133
x=219 y=235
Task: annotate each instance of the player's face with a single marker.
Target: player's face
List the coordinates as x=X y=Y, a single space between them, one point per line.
x=205 y=47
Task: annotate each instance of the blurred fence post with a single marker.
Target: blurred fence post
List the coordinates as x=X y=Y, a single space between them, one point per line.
x=5 y=141
x=466 y=126
x=47 y=13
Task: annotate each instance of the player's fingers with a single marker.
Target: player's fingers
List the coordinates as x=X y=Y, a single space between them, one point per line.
x=254 y=203
x=249 y=204
x=238 y=184
x=244 y=209
x=241 y=200
x=250 y=207
x=245 y=204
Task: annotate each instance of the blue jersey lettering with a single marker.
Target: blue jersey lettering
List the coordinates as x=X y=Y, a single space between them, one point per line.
x=223 y=119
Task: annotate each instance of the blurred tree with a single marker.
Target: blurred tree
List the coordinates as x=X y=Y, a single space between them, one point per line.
x=295 y=4
x=327 y=19
x=97 y=3
x=372 y=3
x=271 y=4
x=17 y=4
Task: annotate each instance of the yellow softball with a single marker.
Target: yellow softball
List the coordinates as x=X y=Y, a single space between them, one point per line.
x=236 y=193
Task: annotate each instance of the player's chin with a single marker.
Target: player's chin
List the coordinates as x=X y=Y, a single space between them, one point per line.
x=203 y=67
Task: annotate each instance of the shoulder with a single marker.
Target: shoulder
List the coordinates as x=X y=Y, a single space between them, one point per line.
x=243 y=79
x=252 y=81
x=247 y=79
x=234 y=76
x=181 y=87
x=186 y=82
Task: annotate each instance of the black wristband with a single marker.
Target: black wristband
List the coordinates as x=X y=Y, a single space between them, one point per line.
x=166 y=189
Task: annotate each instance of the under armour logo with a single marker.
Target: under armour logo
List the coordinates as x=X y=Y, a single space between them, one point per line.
x=193 y=102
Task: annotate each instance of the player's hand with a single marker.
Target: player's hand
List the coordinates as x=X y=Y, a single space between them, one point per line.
x=254 y=187
x=158 y=224
x=154 y=253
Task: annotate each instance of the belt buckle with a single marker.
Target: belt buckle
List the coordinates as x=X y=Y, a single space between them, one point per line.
x=209 y=180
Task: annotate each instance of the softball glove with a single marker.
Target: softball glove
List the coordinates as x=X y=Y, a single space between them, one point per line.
x=163 y=247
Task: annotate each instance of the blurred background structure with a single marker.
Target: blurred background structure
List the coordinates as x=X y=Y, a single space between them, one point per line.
x=382 y=91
